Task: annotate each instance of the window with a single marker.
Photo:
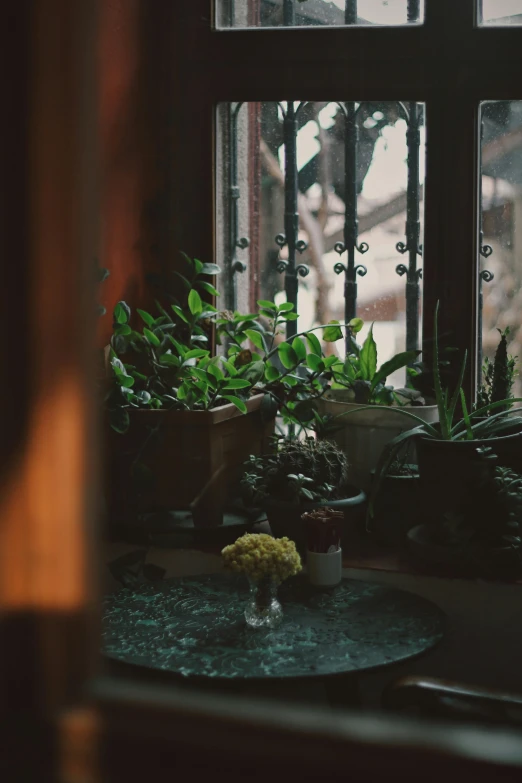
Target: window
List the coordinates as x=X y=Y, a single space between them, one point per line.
x=450 y=64
x=501 y=238
x=356 y=186
x=313 y=13
x=501 y=12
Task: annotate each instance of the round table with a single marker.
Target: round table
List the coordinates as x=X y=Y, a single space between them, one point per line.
x=194 y=627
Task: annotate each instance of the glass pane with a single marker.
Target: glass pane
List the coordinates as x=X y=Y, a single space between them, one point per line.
x=290 y=13
x=501 y=266
x=351 y=164
x=501 y=12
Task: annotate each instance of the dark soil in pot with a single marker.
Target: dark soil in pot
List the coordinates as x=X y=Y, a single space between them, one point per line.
x=285 y=518
x=449 y=471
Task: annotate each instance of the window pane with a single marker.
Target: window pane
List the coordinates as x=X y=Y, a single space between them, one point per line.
x=351 y=164
x=501 y=12
x=502 y=226
x=289 y=13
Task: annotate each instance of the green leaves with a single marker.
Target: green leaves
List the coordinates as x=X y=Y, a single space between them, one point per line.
x=394 y=364
x=356 y=324
x=332 y=333
x=266 y=305
x=313 y=343
x=151 y=337
x=210 y=269
x=147 y=317
x=256 y=338
x=236 y=383
x=194 y=302
x=299 y=348
x=210 y=289
x=240 y=405
x=121 y=313
x=179 y=312
x=368 y=357
x=271 y=373
x=315 y=362
x=287 y=356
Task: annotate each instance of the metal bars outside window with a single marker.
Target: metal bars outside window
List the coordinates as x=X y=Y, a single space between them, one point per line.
x=350 y=248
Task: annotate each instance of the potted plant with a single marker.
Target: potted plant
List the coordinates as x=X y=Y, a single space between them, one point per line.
x=446 y=450
x=186 y=419
x=182 y=420
x=396 y=507
x=300 y=476
x=324 y=555
x=360 y=381
x=483 y=532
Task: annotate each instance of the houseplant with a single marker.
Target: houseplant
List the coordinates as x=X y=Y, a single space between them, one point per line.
x=483 y=532
x=446 y=450
x=396 y=507
x=185 y=420
x=178 y=409
x=300 y=476
x=498 y=376
x=360 y=381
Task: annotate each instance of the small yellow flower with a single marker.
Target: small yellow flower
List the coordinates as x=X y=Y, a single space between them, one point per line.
x=258 y=555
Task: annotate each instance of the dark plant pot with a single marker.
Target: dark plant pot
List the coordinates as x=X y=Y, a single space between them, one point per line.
x=472 y=558
x=396 y=508
x=448 y=470
x=191 y=451
x=285 y=518
x=423 y=546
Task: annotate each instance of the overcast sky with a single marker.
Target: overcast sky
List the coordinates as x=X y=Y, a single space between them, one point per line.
x=394 y=11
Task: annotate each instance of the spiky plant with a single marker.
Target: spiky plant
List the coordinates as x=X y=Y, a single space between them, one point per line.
x=498 y=375
x=299 y=471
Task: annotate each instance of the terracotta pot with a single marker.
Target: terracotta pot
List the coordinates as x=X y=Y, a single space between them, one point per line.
x=182 y=453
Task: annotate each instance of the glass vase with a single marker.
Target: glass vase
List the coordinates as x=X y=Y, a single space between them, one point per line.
x=263 y=610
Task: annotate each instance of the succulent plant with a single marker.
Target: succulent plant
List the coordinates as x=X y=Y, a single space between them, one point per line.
x=498 y=375
x=299 y=471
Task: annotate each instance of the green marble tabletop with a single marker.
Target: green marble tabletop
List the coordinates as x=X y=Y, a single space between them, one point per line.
x=194 y=626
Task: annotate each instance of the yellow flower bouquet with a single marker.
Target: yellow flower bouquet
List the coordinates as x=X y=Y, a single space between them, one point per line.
x=267 y=562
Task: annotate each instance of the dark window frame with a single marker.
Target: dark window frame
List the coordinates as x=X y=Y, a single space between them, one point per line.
x=450 y=63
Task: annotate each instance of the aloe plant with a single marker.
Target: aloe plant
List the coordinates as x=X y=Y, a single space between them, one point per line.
x=450 y=426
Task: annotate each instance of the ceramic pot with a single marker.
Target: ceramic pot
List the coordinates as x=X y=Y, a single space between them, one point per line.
x=325 y=569
x=364 y=434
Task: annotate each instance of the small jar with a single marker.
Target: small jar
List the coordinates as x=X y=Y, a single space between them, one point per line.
x=325 y=569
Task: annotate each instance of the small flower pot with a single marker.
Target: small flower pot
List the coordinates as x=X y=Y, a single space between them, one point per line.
x=285 y=518
x=325 y=569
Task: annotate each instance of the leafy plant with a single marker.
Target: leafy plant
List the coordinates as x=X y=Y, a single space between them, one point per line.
x=498 y=376
x=293 y=373
x=300 y=471
x=361 y=375
x=167 y=363
x=491 y=419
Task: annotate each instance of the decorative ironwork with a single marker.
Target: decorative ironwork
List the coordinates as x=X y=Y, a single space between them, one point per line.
x=289 y=239
x=412 y=246
x=350 y=245
x=235 y=241
x=484 y=276
x=413 y=10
